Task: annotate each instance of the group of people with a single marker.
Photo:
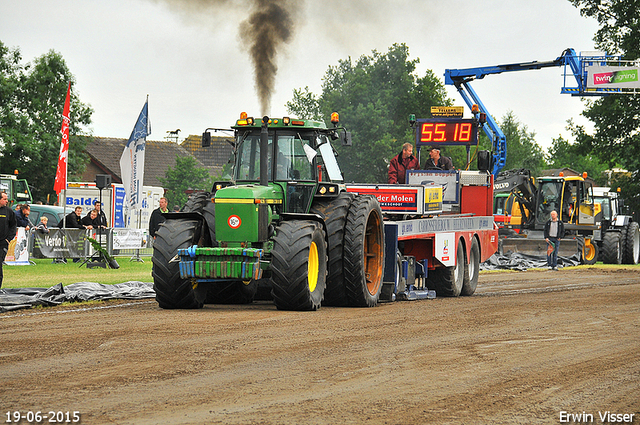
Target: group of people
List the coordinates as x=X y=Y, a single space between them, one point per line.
x=405 y=161
x=95 y=219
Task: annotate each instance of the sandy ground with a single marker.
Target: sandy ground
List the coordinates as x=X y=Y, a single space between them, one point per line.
x=524 y=349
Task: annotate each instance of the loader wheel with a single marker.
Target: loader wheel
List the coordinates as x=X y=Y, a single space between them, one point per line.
x=232 y=292
x=611 y=248
x=448 y=281
x=171 y=290
x=631 y=243
x=363 y=252
x=471 y=270
x=334 y=213
x=298 y=265
x=589 y=252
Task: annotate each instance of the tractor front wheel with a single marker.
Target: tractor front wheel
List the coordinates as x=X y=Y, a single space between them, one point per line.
x=298 y=265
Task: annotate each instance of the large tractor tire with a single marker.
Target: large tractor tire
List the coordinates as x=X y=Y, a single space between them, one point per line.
x=171 y=290
x=471 y=270
x=232 y=292
x=363 y=252
x=611 y=248
x=334 y=213
x=197 y=202
x=589 y=252
x=448 y=281
x=298 y=265
x=631 y=243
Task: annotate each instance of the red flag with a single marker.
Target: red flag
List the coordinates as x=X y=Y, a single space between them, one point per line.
x=61 y=174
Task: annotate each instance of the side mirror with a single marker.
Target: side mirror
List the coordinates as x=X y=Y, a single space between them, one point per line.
x=345 y=138
x=206 y=139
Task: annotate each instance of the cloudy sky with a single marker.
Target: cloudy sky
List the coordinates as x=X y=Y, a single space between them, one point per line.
x=189 y=57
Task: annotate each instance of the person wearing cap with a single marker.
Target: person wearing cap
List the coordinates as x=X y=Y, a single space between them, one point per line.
x=401 y=163
x=437 y=162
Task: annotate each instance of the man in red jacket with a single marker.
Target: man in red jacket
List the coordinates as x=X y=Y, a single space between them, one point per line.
x=401 y=163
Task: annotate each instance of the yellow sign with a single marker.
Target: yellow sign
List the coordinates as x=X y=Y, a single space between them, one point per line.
x=447 y=111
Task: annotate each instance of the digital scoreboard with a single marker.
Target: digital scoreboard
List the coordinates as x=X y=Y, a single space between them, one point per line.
x=447 y=131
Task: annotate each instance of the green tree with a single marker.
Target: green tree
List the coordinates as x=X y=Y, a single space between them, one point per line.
x=32 y=97
x=185 y=176
x=564 y=154
x=374 y=96
x=616 y=136
x=522 y=149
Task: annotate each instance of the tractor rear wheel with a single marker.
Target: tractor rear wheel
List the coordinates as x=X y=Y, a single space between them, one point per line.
x=299 y=265
x=448 y=281
x=471 y=270
x=363 y=252
x=197 y=202
x=611 y=248
x=631 y=243
x=172 y=291
x=232 y=292
x=334 y=213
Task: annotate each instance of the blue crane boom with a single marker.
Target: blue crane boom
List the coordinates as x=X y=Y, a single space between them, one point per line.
x=574 y=64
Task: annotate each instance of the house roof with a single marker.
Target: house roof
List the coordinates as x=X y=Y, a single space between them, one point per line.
x=213 y=157
x=105 y=153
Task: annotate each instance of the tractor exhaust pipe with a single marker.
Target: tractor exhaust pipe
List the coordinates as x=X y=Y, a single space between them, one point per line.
x=264 y=146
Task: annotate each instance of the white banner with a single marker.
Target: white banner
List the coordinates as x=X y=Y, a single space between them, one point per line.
x=620 y=77
x=18 y=252
x=132 y=160
x=129 y=238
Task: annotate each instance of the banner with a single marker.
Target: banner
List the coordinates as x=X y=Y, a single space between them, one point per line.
x=132 y=160
x=59 y=243
x=18 y=251
x=61 y=174
x=129 y=238
x=620 y=77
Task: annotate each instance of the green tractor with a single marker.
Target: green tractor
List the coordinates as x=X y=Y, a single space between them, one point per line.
x=284 y=226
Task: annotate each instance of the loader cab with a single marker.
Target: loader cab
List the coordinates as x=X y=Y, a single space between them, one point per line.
x=571 y=197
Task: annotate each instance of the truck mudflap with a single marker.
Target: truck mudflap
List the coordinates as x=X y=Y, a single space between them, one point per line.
x=220 y=263
x=569 y=246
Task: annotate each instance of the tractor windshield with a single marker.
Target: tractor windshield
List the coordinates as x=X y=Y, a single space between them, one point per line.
x=291 y=160
x=549 y=199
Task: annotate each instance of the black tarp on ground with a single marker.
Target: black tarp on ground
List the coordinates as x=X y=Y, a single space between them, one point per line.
x=17 y=298
x=522 y=262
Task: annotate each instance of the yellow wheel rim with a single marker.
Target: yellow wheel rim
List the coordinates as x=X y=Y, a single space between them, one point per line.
x=589 y=251
x=314 y=265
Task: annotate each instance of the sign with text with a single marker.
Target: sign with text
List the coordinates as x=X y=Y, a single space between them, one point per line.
x=622 y=77
x=447 y=131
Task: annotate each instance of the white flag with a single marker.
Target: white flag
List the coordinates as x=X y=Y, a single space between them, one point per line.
x=132 y=160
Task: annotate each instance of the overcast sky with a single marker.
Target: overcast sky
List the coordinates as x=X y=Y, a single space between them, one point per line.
x=191 y=61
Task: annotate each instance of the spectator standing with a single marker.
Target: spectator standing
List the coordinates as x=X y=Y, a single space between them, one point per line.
x=101 y=219
x=73 y=220
x=90 y=221
x=8 y=228
x=436 y=161
x=401 y=163
x=553 y=232
x=22 y=217
x=157 y=218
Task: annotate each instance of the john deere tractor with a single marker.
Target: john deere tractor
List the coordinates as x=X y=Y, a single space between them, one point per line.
x=284 y=223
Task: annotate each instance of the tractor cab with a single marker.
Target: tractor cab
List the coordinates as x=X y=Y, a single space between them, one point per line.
x=571 y=197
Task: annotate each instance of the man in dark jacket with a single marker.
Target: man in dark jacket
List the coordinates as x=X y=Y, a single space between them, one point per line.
x=22 y=217
x=401 y=163
x=73 y=220
x=90 y=221
x=553 y=232
x=437 y=162
x=8 y=227
x=157 y=218
x=101 y=219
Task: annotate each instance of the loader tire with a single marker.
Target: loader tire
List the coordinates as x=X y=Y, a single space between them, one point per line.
x=334 y=213
x=589 y=252
x=471 y=270
x=611 y=248
x=631 y=243
x=363 y=252
x=232 y=292
x=171 y=290
x=298 y=265
x=448 y=281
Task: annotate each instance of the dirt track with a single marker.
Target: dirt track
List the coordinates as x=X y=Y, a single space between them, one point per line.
x=525 y=348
